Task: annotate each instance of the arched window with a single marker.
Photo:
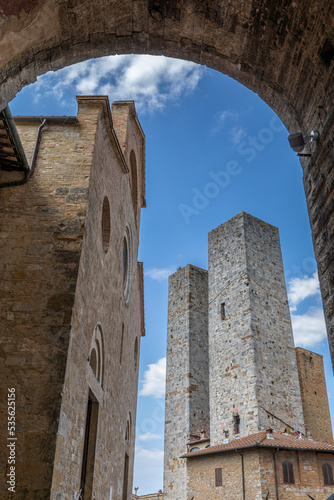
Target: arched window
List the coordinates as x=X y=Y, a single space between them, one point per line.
x=288 y=477
x=194 y=449
x=328 y=474
x=127 y=262
x=128 y=429
x=96 y=357
x=105 y=224
x=93 y=361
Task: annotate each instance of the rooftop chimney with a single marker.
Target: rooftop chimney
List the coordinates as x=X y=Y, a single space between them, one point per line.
x=269 y=432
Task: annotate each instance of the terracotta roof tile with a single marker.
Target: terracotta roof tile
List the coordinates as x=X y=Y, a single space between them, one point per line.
x=199 y=440
x=260 y=440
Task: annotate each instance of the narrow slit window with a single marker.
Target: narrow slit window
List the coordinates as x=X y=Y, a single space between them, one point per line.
x=236 y=422
x=88 y=459
x=222 y=310
x=126 y=477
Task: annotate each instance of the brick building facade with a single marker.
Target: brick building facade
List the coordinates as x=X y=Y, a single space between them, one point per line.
x=265 y=465
x=233 y=371
x=73 y=302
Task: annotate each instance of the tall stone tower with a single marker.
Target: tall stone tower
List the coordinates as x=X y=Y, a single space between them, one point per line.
x=187 y=385
x=253 y=371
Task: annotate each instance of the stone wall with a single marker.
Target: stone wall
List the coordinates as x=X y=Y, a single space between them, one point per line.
x=64 y=286
x=295 y=40
x=202 y=476
x=259 y=475
x=314 y=395
x=187 y=391
x=253 y=370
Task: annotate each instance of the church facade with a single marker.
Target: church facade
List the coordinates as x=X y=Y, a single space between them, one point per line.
x=242 y=403
x=72 y=302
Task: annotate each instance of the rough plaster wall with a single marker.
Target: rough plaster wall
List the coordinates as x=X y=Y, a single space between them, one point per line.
x=252 y=360
x=187 y=398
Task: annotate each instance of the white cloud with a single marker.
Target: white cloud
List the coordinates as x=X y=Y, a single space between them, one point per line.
x=309 y=328
x=228 y=114
x=142 y=453
x=300 y=289
x=148 y=436
x=160 y=274
x=236 y=134
x=223 y=117
x=150 y=81
x=155 y=380
x=148 y=472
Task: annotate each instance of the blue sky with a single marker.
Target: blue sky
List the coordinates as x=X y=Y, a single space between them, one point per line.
x=213 y=149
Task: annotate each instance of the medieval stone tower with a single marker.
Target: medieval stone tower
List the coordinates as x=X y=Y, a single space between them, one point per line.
x=187 y=391
x=253 y=369
x=231 y=362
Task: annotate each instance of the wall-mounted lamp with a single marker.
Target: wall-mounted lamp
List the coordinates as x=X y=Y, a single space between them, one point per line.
x=298 y=143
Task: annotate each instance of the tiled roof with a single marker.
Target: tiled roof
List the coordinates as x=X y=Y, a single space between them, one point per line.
x=260 y=440
x=12 y=156
x=199 y=440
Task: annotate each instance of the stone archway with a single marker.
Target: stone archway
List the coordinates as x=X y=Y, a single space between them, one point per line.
x=281 y=49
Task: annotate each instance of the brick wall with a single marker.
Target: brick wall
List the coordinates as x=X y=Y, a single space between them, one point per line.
x=259 y=475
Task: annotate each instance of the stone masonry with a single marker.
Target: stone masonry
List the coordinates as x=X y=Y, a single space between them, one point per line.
x=283 y=51
x=314 y=395
x=239 y=311
x=253 y=369
x=72 y=317
x=187 y=388
x=263 y=475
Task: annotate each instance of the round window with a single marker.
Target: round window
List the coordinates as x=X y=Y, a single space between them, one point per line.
x=127 y=263
x=105 y=224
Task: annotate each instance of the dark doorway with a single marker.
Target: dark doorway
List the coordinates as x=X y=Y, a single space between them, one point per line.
x=88 y=459
x=126 y=475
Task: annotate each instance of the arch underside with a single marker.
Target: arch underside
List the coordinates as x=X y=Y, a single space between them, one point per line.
x=280 y=49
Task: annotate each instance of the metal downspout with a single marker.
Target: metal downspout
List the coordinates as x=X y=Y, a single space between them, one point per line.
x=276 y=483
x=243 y=475
x=33 y=160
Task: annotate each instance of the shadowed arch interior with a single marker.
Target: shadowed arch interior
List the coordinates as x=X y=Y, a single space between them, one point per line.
x=281 y=50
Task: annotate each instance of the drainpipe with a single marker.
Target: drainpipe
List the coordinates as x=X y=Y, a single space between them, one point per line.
x=276 y=483
x=243 y=475
x=33 y=160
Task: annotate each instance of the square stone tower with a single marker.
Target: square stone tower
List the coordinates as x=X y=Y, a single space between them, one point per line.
x=253 y=370
x=187 y=378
